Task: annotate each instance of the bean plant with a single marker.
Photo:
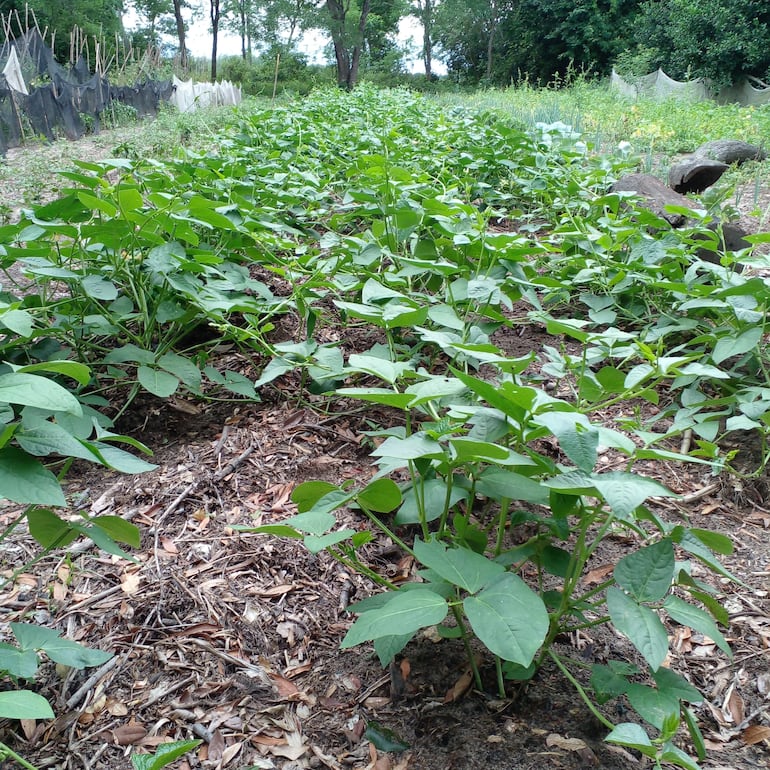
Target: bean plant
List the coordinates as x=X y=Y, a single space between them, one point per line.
x=435 y=233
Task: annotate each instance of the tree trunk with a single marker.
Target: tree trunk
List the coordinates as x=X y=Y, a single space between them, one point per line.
x=427 y=38
x=215 y=14
x=180 y=34
x=242 y=12
x=347 y=59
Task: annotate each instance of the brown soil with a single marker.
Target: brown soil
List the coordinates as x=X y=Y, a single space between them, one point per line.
x=233 y=637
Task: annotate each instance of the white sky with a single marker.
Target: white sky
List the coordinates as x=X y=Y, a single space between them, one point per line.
x=312 y=44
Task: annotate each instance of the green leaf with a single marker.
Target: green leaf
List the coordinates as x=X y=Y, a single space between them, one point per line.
x=498 y=484
x=413 y=447
x=384 y=739
x=634 y=736
x=647 y=574
x=312 y=522
x=182 y=368
x=129 y=353
x=97 y=287
x=317 y=543
x=577 y=438
x=405 y=613
x=119 y=529
x=640 y=624
x=697 y=619
x=381 y=496
x=727 y=347
x=695 y=734
x=459 y=566
x=129 y=199
x=33 y=390
x=433 y=495
x=24 y=480
x=18 y=321
x=382 y=396
x=509 y=618
x=164 y=755
x=120 y=460
x=676 y=685
x=673 y=755
x=48 y=529
x=77 y=371
x=379 y=367
x=20 y=664
x=307 y=494
x=64 y=651
x=156 y=381
x=23 y=704
x=387 y=647
x=653 y=705
x=45 y=438
x=625 y=492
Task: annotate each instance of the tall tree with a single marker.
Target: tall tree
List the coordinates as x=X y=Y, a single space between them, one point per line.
x=215 y=15
x=180 y=33
x=347 y=24
x=468 y=31
x=424 y=11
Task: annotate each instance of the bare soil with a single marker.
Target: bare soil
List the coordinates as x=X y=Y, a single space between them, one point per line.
x=233 y=637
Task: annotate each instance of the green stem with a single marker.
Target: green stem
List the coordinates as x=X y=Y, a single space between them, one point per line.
x=466 y=643
x=6 y=753
x=583 y=694
x=501 y=522
x=500 y=680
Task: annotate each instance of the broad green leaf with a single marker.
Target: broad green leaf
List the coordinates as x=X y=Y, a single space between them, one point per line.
x=625 y=492
x=45 y=438
x=714 y=540
x=498 y=484
x=634 y=736
x=653 y=705
x=156 y=381
x=382 y=396
x=640 y=624
x=697 y=619
x=23 y=704
x=433 y=389
x=119 y=529
x=509 y=618
x=48 y=529
x=317 y=543
x=413 y=447
x=378 y=367
x=307 y=494
x=97 y=287
x=18 y=321
x=34 y=637
x=384 y=739
x=671 y=682
x=277 y=530
x=647 y=574
x=120 y=460
x=577 y=438
x=729 y=346
x=404 y=614
x=182 y=368
x=129 y=199
x=312 y=522
x=459 y=566
x=164 y=755
x=77 y=371
x=381 y=496
x=20 y=664
x=675 y=756
x=24 y=480
x=433 y=494
x=97 y=204
x=470 y=450
x=130 y=353
x=33 y=390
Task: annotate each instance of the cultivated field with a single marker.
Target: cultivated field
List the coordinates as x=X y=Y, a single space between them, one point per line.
x=458 y=459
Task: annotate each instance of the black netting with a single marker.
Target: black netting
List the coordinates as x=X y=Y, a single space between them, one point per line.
x=62 y=101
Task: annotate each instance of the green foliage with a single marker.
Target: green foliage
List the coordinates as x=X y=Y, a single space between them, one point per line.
x=164 y=755
x=738 y=33
x=431 y=229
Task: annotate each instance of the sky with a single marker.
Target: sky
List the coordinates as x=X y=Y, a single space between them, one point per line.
x=312 y=44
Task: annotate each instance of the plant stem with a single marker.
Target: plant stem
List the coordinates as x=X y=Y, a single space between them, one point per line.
x=6 y=753
x=583 y=694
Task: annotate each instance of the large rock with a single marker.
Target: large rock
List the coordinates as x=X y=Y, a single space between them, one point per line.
x=694 y=173
x=655 y=196
x=730 y=151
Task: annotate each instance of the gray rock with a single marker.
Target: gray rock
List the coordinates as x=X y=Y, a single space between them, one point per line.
x=694 y=173
x=730 y=151
x=655 y=196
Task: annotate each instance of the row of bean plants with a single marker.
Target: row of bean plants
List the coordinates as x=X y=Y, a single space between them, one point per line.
x=437 y=228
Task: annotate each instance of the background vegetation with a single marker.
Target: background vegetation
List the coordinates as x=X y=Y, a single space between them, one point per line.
x=492 y=42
